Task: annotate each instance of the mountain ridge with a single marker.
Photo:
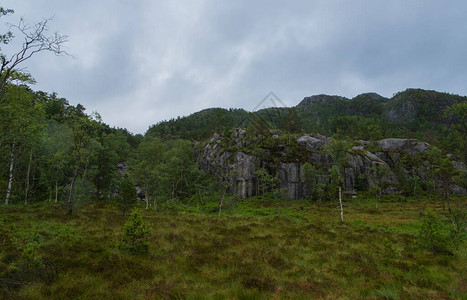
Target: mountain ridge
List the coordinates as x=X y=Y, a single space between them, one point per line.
x=413 y=113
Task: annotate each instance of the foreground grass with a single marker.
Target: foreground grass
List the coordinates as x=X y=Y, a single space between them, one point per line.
x=257 y=249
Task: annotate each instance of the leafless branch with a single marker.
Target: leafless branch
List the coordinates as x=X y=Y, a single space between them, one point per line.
x=36 y=39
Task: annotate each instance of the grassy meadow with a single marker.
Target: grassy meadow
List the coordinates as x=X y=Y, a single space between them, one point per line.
x=256 y=249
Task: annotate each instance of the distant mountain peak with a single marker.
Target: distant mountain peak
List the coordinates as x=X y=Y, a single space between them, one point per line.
x=307 y=101
x=371 y=96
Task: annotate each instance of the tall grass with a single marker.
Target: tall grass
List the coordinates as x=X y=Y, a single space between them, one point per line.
x=256 y=249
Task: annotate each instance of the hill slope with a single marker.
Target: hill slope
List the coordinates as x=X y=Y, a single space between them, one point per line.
x=413 y=113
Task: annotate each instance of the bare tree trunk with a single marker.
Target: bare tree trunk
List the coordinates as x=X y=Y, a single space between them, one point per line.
x=155 y=202
x=173 y=189
x=10 y=180
x=72 y=193
x=340 y=202
x=146 y=196
x=28 y=172
x=444 y=206
x=221 y=203
x=56 y=191
x=447 y=199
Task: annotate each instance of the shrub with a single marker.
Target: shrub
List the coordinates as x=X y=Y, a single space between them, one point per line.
x=135 y=234
x=436 y=236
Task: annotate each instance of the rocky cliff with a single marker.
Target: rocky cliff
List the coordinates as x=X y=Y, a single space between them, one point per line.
x=389 y=163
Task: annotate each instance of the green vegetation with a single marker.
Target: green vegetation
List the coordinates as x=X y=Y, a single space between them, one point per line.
x=257 y=248
x=135 y=235
x=434 y=117
x=126 y=197
x=68 y=179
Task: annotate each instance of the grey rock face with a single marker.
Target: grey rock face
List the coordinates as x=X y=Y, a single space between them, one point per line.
x=290 y=179
x=315 y=142
x=237 y=167
x=242 y=170
x=410 y=146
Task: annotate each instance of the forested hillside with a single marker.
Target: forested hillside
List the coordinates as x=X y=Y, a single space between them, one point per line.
x=52 y=150
x=414 y=113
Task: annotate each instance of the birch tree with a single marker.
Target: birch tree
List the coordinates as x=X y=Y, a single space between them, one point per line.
x=338 y=151
x=20 y=128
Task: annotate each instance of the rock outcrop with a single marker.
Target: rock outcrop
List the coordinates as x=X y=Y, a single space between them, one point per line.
x=235 y=159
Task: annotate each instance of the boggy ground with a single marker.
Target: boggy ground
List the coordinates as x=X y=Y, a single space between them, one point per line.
x=256 y=249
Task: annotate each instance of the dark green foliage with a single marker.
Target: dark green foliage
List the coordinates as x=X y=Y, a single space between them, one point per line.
x=362 y=183
x=338 y=150
x=266 y=182
x=310 y=175
x=126 y=197
x=135 y=234
x=413 y=113
x=200 y=125
x=438 y=236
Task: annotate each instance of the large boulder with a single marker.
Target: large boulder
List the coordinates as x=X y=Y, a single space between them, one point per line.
x=410 y=146
x=315 y=142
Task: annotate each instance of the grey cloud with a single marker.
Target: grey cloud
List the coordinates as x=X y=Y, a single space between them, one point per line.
x=156 y=60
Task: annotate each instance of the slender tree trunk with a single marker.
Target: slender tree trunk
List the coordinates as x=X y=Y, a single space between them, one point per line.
x=447 y=199
x=173 y=189
x=340 y=202
x=72 y=193
x=56 y=191
x=155 y=202
x=10 y=179
x=221 y=202
x=444 y=206
x=28 y=172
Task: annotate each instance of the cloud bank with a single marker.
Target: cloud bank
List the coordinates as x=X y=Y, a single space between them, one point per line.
x=143 y=62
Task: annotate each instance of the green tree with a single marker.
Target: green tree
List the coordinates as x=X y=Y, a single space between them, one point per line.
x=443 y=170
x=456 y=116
x=21 y=120
x=84 y=147
x=438 y=236
x=145 y=167
x=258 y=128
x=310 y=175
x=115 y=149
x=126 y=197
x=291 y=121
x=135 y=235
x=266 y=182
x=380 y=173
x=56 y=143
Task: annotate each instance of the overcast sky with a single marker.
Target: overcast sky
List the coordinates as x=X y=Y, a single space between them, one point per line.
x=140 y=62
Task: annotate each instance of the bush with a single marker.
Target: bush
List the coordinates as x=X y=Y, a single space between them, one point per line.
x=136 y=234
x=438 y=237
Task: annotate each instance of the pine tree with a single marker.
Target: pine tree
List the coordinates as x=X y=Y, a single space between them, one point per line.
x=135 y=234
x=126 y=194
